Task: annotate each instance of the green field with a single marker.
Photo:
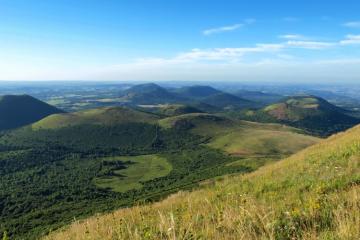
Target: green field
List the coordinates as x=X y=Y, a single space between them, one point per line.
x=255 y=142
x=138 y=169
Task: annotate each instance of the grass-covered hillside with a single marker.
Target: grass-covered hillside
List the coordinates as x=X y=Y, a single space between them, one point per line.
x=310 y=113
x=20 y=110
x=75 y=165
x=242 y=138
x=313 y=194
x=100 y=116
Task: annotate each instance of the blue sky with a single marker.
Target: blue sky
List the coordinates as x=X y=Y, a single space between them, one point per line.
x=282 y=41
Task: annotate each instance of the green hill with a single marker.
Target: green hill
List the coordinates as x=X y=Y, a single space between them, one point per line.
x=197 y=92
x=241 y=138
x=21 y=110
x=149 y=93
x=79 y=164
x=103 y=116
x=310 y=113
x=205 y=98
x=313 y=194
x=213 y=97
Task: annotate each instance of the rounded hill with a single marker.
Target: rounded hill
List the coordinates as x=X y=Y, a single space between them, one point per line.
x=102 y=116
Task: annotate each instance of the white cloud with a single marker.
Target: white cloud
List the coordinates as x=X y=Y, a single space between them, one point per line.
x=226 y=55
x=351 y=39
x=229 y=28
x=292 y=36
x=354 y=24
x=222 y=29
x=267 y=70
x=215 y=54
x=310 y=44
x=263 y=61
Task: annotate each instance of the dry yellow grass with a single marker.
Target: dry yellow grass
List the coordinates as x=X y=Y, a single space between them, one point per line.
x=314 y=194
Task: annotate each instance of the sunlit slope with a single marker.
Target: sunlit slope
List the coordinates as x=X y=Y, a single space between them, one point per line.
x=242 y=138
x=104 y=116
x=313 y=194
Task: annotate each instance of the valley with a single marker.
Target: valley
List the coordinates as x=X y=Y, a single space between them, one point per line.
x=314 y=194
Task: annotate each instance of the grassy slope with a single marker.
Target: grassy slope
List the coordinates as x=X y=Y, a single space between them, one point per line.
x=245 y=139
x=141 y=168
x=106 y=115
x=314 y=194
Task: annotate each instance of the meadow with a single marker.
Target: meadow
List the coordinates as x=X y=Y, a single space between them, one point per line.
x=137 y=169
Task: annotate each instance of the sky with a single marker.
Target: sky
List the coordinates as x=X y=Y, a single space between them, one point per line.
x=203 y=40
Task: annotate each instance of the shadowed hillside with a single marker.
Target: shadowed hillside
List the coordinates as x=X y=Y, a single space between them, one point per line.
x=226 y=100
x=149 y=93
x=20 y=110
x=197 y=92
